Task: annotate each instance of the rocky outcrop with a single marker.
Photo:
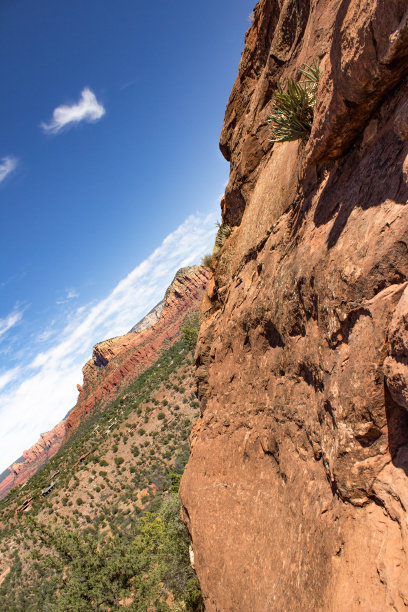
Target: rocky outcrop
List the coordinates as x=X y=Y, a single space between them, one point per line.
x=46 y=447
x=150 y=319
x=296 y=491
x=115 y=363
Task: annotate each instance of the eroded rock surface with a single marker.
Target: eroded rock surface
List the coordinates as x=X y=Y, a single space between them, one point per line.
x=296 y=492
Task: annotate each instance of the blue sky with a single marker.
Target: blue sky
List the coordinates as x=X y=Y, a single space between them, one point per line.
x=110 y=179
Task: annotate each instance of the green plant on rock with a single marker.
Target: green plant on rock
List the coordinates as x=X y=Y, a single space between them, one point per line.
x=206 y=260
x=190 y=330
x=292 y=110
x=224 y=231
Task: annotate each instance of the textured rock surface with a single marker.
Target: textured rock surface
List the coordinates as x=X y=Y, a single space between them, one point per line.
x=296 y=492
x=118 y=361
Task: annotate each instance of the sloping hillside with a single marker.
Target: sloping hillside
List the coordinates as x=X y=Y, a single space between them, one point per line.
x=99 y=526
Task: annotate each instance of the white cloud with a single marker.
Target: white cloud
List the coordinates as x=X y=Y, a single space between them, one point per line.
x=87 y=109
x=7 y=165
x=71 y=294
x=10 y=321
x=48 y=389
x=8 y=377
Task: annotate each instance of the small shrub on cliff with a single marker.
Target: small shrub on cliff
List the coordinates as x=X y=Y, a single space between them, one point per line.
x=206 y=260
x=190 y=331
x=292 y=110
x=224 y=231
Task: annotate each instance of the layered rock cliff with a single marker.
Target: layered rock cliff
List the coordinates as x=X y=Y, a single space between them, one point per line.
x=115 y=363
x=296 y=491
x=33 y=458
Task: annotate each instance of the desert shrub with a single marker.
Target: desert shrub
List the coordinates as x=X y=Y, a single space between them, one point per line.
x=119 y=461
x=224 y=231
x=190 y=330
x=206 y=261
x=292 y=110
x=161 y=416
x=79 y=501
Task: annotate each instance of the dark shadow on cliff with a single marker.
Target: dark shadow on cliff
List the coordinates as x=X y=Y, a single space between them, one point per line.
x=364 y=177
x=364 y=183
x=397 y=423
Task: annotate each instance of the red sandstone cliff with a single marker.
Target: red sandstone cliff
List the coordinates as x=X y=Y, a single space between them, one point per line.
x=296 y=491
x=115 y=363
x=46 y=447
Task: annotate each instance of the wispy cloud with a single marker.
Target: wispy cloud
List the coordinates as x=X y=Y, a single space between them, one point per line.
x=8 y=376
x=47 y=387
x=129 y=84
x=86 y=109
x=7 y=166
x=70 y=295
x=10 y=321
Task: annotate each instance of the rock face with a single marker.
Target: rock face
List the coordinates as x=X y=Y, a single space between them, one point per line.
x=296 y=491
x=46 y=447
x=115 y=363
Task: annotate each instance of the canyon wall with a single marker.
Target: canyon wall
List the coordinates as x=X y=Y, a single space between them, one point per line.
x=296 y=491
x=115 y=364
x=33 y=458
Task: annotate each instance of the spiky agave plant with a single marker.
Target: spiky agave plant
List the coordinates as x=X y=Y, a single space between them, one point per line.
x=292 y=110
x=223 y=232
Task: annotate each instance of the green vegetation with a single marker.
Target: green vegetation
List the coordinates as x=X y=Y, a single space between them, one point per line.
x=292 y=110
x=206 y=260
x=224 y=231
x=190 y=331
x=86 y=571
x=110 y=538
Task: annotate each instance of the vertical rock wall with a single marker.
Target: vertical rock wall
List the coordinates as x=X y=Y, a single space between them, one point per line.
x=296 y=492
